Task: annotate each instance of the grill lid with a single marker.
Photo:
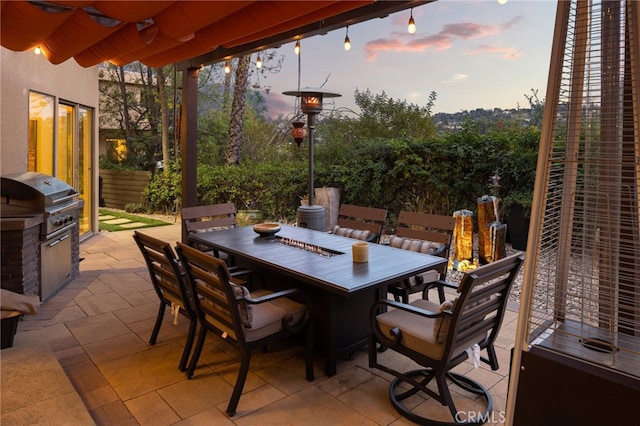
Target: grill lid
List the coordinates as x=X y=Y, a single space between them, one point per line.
x=36 y=190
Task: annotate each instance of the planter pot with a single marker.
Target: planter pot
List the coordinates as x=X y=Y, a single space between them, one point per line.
x=518 y=227
x=249 y=217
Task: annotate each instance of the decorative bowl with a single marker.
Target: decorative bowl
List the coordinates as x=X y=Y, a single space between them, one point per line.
x=266 y=229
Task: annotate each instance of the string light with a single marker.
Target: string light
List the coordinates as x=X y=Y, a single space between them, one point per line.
x=259 y=62
x=37 y=50
x=296 y=49
x=412 y=24
x=347 y=42
x=227 y=67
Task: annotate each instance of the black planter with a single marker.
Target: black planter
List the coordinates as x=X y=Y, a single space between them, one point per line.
x=518 y=227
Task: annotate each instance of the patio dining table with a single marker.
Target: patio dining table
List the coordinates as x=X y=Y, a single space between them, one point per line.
x=342 y=291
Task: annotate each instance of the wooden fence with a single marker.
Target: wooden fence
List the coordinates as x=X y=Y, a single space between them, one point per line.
x=119 y=188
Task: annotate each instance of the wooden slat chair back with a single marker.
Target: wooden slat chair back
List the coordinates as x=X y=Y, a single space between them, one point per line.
x=440 y=337
x=364 y=223
x=424 y=233
x=245 y=320
x=168 y=283
x=210 y=217
x=213 y=217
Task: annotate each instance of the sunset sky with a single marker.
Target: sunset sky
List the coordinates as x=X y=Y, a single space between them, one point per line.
x=473 y=54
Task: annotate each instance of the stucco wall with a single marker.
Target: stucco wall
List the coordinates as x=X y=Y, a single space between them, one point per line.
x=24 y=71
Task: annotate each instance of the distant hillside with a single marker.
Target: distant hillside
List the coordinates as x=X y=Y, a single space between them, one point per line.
x=484 y=119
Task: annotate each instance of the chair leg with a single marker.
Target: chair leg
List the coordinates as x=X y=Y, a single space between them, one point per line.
x=445 y=394
x=493 y=359
x=441 y=294
x=237 y=389
x=197 y=352
x=188 y=344
x=156 y=327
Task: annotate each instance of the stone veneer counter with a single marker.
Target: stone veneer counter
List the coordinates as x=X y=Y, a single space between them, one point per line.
x=20 y=257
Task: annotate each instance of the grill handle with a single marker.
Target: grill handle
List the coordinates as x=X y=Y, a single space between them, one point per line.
x=58 y=241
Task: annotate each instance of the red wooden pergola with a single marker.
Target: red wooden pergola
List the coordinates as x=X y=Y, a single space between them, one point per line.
x=187 y=33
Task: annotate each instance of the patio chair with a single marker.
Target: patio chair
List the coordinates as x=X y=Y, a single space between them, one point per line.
x=213 y=217
x=441 y=337
x=169 y=284
x=422 y=233
x=245 y=320
x=362 y=223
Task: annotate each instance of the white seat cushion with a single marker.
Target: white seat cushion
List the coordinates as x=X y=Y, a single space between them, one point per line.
x=267 y=317
x=417 y=331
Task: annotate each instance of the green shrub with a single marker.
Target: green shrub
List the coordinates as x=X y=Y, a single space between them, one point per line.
x=437 y=175
x=135 y=208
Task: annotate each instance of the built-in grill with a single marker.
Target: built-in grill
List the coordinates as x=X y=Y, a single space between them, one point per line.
x=32 y=194
x=36 y=192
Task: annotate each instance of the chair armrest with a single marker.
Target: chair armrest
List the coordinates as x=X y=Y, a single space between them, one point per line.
x=441 y=250
x=373 y=238
x=408 y=308
x=272 y=296
x=235 y=271
x=443 y=283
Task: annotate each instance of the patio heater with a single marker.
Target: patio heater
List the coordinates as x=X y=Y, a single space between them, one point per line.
x=311 y=216
x=578 y=338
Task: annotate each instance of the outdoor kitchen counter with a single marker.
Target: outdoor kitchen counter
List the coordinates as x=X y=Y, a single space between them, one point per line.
x=20 y=261
x=15 y=222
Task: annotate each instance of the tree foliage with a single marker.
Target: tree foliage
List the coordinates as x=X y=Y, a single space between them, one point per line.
x=135 y=106
x=385 y=117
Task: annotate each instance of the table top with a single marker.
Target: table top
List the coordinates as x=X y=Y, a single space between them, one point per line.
x=337 y=273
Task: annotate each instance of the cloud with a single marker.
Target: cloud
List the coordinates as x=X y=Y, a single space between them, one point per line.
x=456 y=78
x=507 y=52
x=468 y=30
x=278 y=104
x=440 y=41
x=373 y=47
x=413 y=96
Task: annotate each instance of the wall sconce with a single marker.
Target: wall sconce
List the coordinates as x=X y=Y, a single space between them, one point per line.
x=347 y=42
x=259 y=62
x=296 y=48
x=412 y=24
x=227 y=67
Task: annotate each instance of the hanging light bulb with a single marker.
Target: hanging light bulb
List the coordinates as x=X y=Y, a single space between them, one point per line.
x=296 y=49
x=412 y=24
x=227 y=67
x=259 y=62
x=347 y=42
x=37 y=50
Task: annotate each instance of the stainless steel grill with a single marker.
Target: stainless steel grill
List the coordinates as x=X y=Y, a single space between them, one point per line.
x=33 y=194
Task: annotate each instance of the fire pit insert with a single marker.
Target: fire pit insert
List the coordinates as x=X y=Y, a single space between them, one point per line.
x=322 y=251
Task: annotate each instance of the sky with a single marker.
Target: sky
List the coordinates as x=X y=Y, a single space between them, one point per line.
x=472 y=53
